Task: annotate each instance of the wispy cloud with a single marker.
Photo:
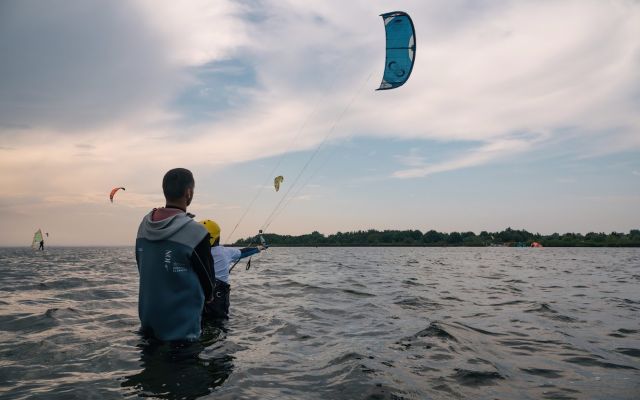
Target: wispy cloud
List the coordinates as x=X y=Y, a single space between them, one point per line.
x=566 y=180
x=56 y=200
x=630 y=199
x=491 y=152
x=413 y=159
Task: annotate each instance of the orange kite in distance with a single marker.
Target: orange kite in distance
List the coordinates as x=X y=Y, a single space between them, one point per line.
x=113 y=192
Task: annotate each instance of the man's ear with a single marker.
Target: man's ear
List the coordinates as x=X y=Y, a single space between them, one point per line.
x=189 y=195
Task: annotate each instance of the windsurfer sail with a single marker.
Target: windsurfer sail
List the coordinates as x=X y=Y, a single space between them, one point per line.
x=37 y=240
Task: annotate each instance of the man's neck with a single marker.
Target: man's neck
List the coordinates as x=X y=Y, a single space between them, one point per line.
x=176 y=206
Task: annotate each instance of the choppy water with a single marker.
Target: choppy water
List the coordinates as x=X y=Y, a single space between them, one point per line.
x=334 y=323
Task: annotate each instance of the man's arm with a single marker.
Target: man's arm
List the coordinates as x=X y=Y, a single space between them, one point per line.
x=249 y=251
x=203 y=266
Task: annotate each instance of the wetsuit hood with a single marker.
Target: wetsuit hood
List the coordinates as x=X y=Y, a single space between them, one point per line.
x=164 y=228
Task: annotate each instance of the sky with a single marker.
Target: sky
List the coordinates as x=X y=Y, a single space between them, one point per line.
x=521 y=114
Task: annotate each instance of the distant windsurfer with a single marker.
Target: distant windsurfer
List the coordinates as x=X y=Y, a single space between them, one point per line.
x=223 y=260
x=174 y=263
x=41 y=245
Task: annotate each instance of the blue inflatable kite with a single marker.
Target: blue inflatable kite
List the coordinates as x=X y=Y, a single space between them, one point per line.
x=401 y=49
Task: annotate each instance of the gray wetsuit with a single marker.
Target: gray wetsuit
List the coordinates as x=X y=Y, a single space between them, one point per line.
x=176 y=276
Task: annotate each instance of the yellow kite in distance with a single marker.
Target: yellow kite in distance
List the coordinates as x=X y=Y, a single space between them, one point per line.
x=277 y=181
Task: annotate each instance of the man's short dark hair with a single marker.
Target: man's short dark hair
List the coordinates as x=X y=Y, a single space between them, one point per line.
x=176 y=182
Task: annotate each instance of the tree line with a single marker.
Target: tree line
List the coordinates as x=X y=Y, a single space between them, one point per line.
x=507 y=237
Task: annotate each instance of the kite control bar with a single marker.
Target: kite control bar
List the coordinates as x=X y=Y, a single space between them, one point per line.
x=263 y=243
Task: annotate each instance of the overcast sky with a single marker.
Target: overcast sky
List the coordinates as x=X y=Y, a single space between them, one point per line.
x=517 y=113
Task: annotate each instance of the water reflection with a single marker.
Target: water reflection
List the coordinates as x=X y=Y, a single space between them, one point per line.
x=182 y=370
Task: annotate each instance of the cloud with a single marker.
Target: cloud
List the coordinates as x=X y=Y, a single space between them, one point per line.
x=614 y=199
x=494 y=70
x=77 y=65
x=490 y=152
x=566 y=180
x=413 y=159
x=55 y=199
x=491 y=73
x=302 y=197
x=95 y=94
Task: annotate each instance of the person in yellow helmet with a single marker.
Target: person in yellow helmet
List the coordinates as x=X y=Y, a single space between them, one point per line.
x=223 y=259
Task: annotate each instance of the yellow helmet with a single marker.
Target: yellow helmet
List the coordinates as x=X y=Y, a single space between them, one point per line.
x=213 y=229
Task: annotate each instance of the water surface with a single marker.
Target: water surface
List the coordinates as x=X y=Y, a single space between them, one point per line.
x=339 y=323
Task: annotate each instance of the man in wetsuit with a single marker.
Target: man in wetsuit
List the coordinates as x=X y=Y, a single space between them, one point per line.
x=174 y=263
x=224 y=258
x=41 y=245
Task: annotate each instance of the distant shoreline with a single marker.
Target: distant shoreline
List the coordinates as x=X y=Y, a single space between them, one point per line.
x=415 y=238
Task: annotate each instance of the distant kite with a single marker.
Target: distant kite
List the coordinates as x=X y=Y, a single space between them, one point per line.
x=277 y=181
x=113 y=192
x=401 y=49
